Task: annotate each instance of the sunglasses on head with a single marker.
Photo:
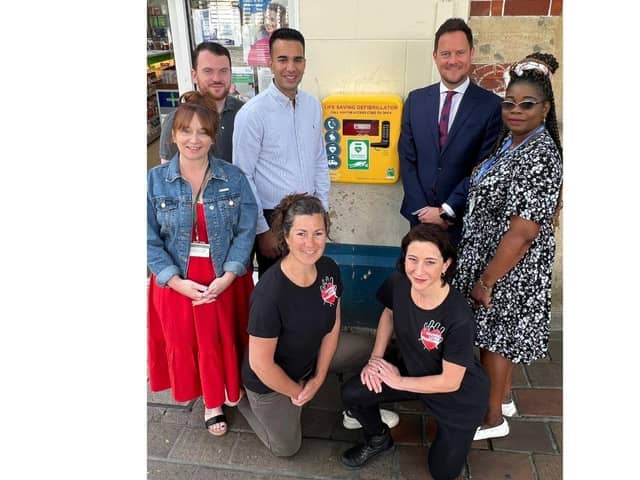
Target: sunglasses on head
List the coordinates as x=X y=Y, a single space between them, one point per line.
x=508 y=105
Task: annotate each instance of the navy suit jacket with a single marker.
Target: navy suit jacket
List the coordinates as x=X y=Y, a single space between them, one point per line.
x=429 y=176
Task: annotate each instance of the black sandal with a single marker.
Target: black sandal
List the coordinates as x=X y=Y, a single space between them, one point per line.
x=214 y=420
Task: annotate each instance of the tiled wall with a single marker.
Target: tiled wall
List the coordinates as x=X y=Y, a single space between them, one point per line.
x=498 y=8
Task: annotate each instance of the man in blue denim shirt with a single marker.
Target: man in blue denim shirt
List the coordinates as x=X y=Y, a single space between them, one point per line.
x=230 y=211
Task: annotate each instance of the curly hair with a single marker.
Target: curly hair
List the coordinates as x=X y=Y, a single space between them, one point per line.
x=290 y=207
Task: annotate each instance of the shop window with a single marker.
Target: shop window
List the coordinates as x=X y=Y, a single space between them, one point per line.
x=244 y=27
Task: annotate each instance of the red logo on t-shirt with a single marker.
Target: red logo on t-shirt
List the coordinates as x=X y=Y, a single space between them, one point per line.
x=431 y=335
x=328 y=291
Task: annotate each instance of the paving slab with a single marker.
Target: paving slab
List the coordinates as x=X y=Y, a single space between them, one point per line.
x=155 y=414
x=539 y=402
x=316 y=457
x=555 y=350
x=556 y=430
x=161 y=438
x=549 y=467
x=519 y=378
x=488 y=465
x=209 y=473
x=526 y=437
x=545 y=375
x=190 y=418
x=198 y=446
x=413 y=463
x=159 y=470
x=164 y=398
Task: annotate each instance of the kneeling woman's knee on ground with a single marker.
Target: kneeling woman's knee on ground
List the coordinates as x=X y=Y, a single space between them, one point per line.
x=285 y=450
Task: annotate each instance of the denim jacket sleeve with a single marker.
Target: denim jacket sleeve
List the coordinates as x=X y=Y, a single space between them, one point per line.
x=158 y=259
x=245 y=232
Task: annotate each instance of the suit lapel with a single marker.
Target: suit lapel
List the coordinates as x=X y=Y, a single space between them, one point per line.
x=433 y=105
x=465 y=108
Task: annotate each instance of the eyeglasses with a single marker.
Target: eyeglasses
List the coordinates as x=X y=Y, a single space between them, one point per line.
x=508 y=105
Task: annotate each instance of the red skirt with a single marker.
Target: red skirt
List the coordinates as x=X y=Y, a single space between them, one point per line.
x=197 y=351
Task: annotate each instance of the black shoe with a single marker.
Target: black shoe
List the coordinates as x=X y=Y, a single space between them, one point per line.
x=357 y=456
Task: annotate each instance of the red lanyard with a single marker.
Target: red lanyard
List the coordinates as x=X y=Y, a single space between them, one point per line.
x=195 y=204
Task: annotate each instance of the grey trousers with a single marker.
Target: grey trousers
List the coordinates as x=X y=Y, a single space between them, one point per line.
x=276 y=421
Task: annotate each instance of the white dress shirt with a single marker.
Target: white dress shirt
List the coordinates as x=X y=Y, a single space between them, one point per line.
x=455 y=100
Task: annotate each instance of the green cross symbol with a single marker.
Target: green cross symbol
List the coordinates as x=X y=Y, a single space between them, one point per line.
x=173 y=99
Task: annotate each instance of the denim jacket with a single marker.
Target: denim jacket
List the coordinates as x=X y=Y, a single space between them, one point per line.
x=230 y=210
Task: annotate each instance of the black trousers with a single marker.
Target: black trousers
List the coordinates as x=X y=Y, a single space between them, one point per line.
x=448 y=451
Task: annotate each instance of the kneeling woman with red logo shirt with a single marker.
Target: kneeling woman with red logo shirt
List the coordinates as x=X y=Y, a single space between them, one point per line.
x=294 y=327
x=434 y=329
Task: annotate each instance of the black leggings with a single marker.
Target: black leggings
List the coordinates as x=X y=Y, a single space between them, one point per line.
x=448 y=451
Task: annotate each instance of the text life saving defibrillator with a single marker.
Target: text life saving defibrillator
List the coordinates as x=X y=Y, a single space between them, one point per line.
x=361 y=137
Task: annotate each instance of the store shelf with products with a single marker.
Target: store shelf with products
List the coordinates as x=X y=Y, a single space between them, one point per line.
x=161 y=75
x=161 y=68
x=160 y=60
x=153 y=114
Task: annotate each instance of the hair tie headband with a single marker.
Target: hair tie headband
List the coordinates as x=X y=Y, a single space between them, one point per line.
x=519 y=68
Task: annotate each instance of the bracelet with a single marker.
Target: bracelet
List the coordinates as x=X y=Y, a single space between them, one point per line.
x=484 y=286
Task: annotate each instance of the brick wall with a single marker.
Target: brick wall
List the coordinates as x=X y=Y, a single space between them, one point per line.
x=498 y=8
x=490 y=76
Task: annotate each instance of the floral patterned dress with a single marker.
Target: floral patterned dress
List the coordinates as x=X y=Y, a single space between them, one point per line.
x=524 y=182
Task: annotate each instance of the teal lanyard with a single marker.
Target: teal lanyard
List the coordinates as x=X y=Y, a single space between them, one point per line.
x=490 y=162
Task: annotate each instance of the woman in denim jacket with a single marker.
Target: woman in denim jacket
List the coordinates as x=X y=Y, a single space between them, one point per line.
x=201 y=224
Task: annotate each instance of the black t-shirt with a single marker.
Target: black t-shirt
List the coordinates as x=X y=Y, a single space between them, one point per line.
x=299 y=317
x=426 y=337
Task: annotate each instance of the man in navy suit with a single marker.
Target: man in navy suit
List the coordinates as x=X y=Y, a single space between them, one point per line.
x=444 y=135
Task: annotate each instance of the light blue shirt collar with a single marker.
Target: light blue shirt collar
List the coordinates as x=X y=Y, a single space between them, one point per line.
x=280 y=97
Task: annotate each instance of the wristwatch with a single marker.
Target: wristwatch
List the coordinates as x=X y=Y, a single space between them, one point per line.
x=447 y=218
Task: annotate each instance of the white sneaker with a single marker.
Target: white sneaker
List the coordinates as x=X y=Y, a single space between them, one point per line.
x=501 y=430
x=391 y=419
x=509 y=409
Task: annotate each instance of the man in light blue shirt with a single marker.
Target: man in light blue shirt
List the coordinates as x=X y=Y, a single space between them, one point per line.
x=278 y=142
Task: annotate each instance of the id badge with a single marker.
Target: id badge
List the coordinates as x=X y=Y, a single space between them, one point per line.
x=199 y=249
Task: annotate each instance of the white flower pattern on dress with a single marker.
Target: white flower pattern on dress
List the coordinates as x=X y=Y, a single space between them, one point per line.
x=526 y=184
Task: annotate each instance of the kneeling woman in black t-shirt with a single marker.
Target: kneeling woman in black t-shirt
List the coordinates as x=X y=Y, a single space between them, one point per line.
x=435 y=329
x=294 y=324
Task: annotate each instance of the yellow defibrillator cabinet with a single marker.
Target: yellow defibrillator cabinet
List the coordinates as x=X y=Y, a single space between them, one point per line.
x=361 y=136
